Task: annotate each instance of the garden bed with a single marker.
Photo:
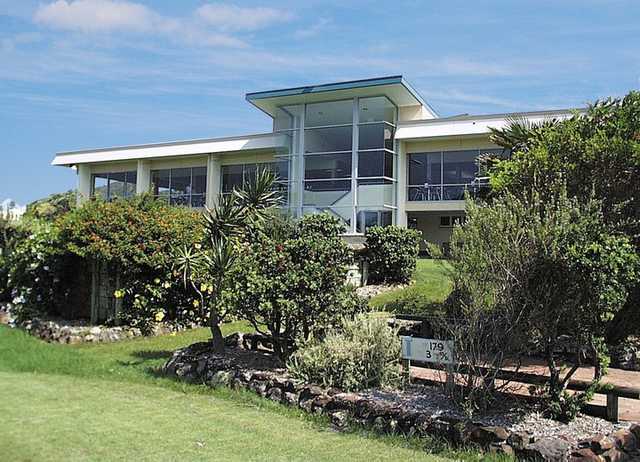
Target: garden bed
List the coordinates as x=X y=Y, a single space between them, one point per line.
x=514 y=427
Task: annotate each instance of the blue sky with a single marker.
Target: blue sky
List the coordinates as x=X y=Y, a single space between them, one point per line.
x=92 y=73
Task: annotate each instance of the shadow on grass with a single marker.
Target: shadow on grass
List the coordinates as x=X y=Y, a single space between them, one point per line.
x=152 y=354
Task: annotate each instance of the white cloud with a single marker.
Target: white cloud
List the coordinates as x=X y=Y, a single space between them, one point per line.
x=313 y=30
x=232 y=17
x=105 y=16
x=97 y=16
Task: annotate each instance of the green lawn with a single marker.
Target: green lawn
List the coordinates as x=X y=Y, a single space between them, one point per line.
x=432 y=284
x=105 y=402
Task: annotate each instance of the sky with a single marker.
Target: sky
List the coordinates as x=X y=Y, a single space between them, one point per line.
x=97 y=73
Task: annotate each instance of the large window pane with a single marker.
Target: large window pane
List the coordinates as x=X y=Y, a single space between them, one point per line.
x=325 y=193
x=199 y=183
x=328 y=139
x=378 y=194
x=101 y=185
x=331 y=113
x=378 y=109
x=287 y=117
x=117 y=184
x=131 y=181
x=281 y=169
x=231 y=177
x=424 y=168
x=376 y=136
x=367 y=218
x=160 y=182
x=180 y=182
x=459 y=167
x=425 y=193
x=375 y=163
x=326 y=166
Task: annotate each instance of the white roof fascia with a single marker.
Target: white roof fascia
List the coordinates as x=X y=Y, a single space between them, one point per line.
x=472 y=125
x=261 y=142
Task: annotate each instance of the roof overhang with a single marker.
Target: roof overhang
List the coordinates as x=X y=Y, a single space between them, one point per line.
x=250 y=143
x=473 y=125
x=396 y=88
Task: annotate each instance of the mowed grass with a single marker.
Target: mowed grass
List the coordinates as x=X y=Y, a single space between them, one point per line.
x=430 y=288
x=107 y=402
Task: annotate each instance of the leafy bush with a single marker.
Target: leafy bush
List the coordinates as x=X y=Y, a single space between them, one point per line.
x=41 y=274
x=361 y=353
x=136 y=239
x=547 y=268
x=392 y=253
x=51 y=207
x=291 y=280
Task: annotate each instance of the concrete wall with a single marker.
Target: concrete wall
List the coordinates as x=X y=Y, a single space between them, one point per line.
x=428 y=223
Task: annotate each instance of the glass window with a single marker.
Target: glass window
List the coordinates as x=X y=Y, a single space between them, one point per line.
x=335 y=193
x=232 y=177
x=329 y=113
x=375 y=163
x=379 y=193
x=368 y=218
x=378 y=109
x=287 y=118
x=160 y=182
x=424 y=168
x=459 y=167
x=326 y=166
x=181 y=186
x=112 y=185
x=328 y=139
x=376 y=136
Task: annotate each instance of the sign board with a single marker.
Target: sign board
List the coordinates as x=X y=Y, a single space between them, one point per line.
x=427 y=350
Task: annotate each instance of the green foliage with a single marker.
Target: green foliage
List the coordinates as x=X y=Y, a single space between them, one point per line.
x=361 y=353
x=7 y=242
x=291 y=280
x=392 y=253
x=41 y=273
x=51 y=207
x=553 y=266
x=211 y=269
x=133 y=233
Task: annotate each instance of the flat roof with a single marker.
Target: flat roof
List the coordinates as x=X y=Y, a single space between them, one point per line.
x=395 y=87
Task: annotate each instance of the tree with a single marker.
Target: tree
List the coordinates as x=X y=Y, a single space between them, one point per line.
x=543 y=268
x=207 y=267
x=595 y=154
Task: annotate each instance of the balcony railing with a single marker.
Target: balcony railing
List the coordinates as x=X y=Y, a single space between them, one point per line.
x=447 y=192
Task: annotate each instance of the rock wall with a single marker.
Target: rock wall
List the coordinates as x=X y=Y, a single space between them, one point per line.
x=198 y=364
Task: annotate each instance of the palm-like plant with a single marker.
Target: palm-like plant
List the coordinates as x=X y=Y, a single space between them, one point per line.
x=519 y=132
x=206 y=267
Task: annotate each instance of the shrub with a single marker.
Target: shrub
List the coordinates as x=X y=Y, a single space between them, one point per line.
x=392 y=253
x=362 y=353
x=545 y=268
x=41 y=274
x=136 y=239
x=291 y=280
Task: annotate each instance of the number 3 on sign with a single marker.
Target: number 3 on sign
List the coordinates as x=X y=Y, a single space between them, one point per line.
x=427 y=350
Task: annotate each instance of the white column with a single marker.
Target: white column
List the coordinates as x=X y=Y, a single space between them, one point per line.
x=354 y=167
x=401 y=192
x=84 y=183
x=143 y=179
x=214 y=180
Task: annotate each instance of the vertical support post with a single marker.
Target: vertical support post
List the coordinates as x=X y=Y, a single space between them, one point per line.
x=354 y=166
x=214 y=180
x=143 y=177
x=401 y=191
x=612 y=408
x=84 y=183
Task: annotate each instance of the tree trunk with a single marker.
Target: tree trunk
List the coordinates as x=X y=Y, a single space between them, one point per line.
x=217 y=340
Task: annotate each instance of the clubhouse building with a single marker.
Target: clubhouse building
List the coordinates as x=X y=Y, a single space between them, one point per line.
x=371 y=152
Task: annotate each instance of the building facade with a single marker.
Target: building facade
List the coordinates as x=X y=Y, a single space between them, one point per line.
x=370 y=152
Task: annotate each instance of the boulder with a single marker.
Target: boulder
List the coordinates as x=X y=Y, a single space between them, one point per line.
x=547 y=450
x=486 y=435
x=625 y=440
x=518 y=440
x=584 y=455
x=598 y=443
x=501 y=449
x=340 y=419
x=291 y=398
x=615 y=455
x=274 y=394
